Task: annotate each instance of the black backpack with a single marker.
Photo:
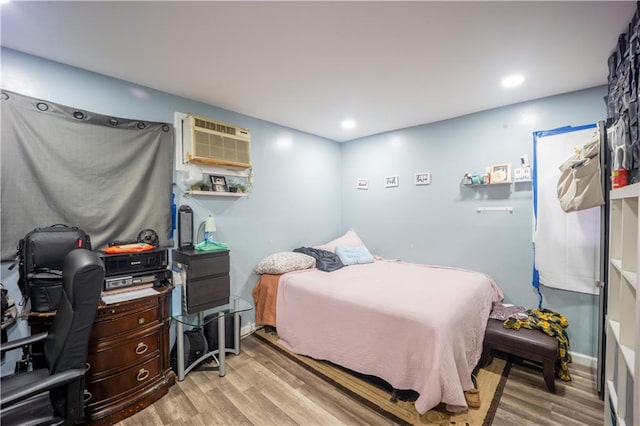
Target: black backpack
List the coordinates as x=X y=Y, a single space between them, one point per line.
x=40 y=257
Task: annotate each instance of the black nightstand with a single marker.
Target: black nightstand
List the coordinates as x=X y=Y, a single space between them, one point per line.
x=207 y=278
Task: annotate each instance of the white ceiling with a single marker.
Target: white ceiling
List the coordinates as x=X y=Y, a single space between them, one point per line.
x=309 y=65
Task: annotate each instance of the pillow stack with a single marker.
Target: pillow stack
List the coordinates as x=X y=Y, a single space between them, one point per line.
x=345 y=250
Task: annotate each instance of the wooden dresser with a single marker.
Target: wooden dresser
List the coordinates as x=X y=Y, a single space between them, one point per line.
x=128 y=363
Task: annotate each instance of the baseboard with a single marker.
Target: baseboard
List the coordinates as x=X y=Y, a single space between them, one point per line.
x=584 y=360
x=247 y=329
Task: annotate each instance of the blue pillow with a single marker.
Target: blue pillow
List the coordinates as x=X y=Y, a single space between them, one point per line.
x=354 y=255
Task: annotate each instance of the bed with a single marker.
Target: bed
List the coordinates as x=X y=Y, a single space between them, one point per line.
x=418 y=327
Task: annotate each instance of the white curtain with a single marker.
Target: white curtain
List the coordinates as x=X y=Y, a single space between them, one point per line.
x=566 y=244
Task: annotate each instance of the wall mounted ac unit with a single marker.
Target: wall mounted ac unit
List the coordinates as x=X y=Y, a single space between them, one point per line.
x=206 y=141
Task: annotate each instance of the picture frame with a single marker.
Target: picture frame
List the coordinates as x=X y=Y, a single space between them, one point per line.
x=362 y=183
x=422 y=179
x=500 y=173
x=218 y=183
x=391 y=181
x=522 y=174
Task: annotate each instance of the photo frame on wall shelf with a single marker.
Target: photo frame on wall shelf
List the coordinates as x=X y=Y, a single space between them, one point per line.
x=219 y=183
x=500 y=173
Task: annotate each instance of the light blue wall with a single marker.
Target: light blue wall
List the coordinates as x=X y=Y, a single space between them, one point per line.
x=293 y=201
x=304 y=192
x=439 y=223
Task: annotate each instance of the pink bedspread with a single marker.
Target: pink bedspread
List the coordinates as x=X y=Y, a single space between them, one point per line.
x=416 y=326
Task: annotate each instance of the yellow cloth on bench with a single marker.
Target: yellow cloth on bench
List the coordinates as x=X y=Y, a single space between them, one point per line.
x=553 y=324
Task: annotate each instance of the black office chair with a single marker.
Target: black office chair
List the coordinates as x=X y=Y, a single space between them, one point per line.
x=54 y=395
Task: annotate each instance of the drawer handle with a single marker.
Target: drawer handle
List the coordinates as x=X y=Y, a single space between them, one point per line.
x=87 y=368
x=141 y=348
x=87 y=396
x=140 y=321
x=142 y=374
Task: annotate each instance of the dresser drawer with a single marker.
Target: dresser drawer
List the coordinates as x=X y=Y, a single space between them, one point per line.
x=210 y=265
x=207 y=293
x=118 y=385
x=106 y=358
x=120 y=324
x=125 y=308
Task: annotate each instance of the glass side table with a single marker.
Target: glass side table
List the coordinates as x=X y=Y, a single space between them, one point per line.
x=235 y=306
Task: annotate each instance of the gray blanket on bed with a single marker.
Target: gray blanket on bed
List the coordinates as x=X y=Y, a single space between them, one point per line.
x=325 y=260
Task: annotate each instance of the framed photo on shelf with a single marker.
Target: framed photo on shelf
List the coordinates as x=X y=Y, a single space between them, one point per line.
x=500 y=173
x=362 y=184
x=391 y=181
x=219 y=183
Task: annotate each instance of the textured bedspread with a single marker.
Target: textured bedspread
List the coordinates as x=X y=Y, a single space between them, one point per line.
x=417 y=327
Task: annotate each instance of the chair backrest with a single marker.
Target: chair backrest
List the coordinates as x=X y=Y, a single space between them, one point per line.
x=67 y=344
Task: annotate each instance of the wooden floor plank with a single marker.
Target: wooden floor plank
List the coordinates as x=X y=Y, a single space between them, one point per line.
x=298 y=406
x=262 y=411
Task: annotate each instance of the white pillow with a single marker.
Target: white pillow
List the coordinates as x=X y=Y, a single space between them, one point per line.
x=350 y=239
x=286 y=261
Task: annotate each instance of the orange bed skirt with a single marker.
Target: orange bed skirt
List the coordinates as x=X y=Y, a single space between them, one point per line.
x=264 y=297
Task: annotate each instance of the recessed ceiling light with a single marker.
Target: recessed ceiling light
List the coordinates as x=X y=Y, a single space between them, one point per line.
x=348 y=124
x=512 y=81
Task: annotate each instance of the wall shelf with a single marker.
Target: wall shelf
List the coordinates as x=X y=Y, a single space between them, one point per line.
x=473 y=185
x=217 y=194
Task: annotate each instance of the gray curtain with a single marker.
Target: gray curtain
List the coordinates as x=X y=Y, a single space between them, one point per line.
x=109 y=176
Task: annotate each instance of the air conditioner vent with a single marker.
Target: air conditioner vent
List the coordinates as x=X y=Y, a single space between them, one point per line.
x=207 y=141
x=216 y=127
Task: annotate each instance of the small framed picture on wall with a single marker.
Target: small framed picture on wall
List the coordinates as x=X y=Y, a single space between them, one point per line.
x=362 y=184
x=391 y=181
x=422 y=179
x=218 y=183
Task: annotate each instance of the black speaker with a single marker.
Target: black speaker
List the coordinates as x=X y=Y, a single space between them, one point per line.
x=185 y=228
x=211 y=331
x=194 y=347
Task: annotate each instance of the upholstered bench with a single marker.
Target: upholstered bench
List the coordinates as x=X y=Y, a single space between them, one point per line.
x=532 y=345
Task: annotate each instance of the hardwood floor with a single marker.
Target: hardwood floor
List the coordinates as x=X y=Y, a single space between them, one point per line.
x=526 y=400
x=264 y=387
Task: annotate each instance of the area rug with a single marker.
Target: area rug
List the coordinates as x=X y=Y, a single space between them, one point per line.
x=376 y=394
